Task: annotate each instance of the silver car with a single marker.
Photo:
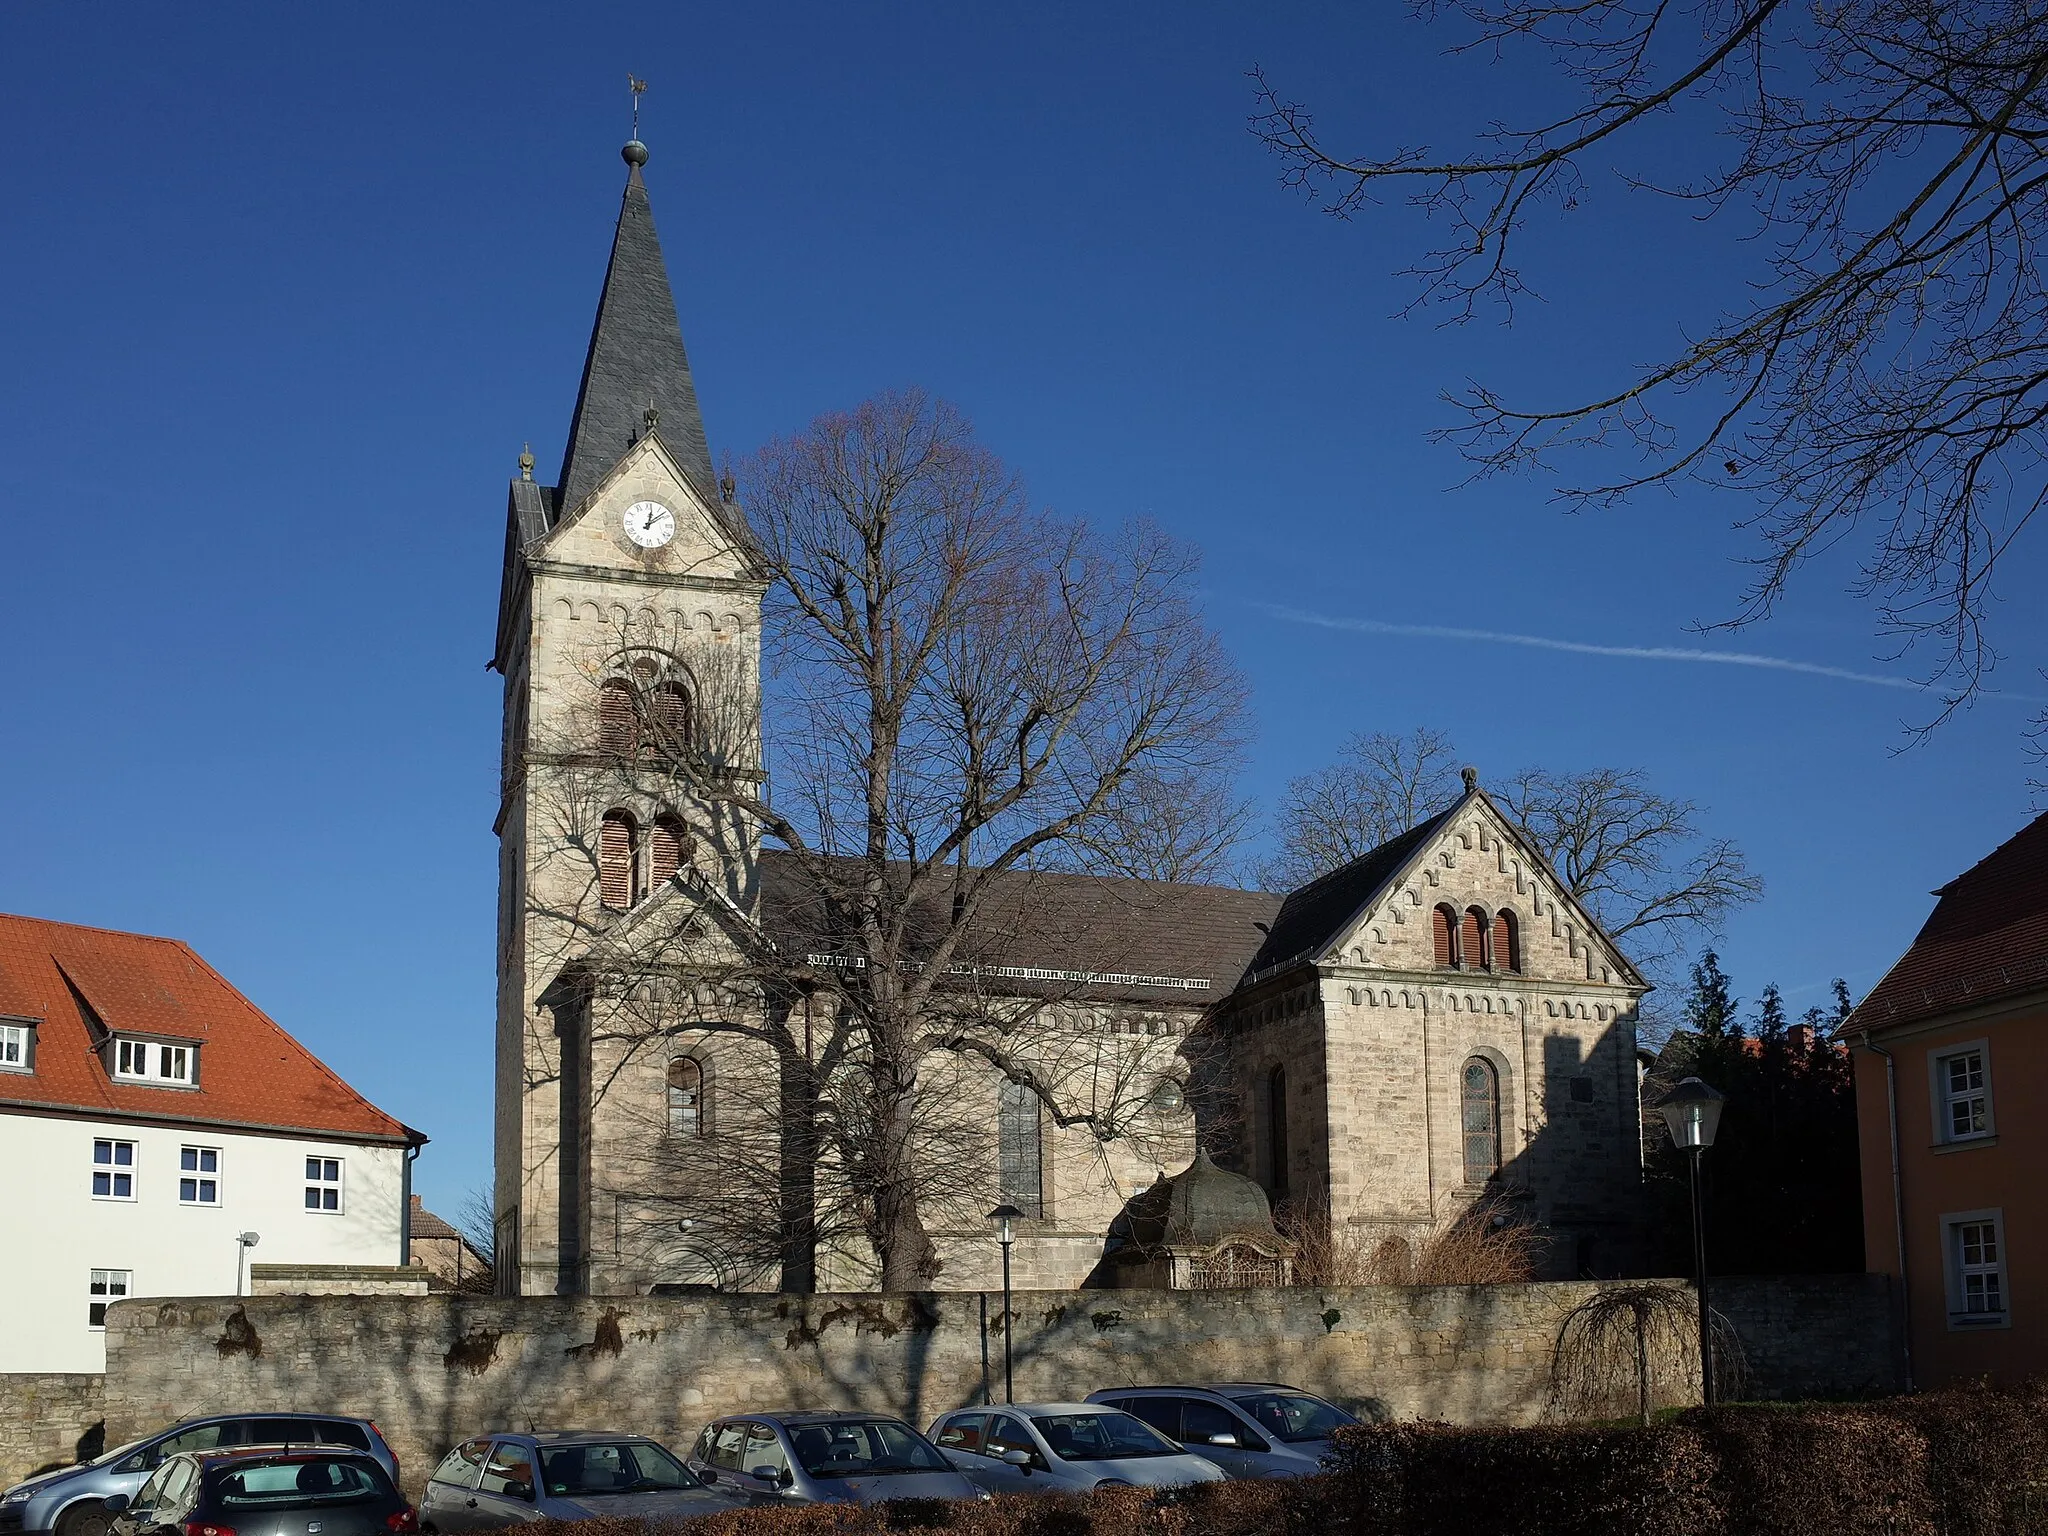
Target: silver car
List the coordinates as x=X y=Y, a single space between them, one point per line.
x=825 y=1458
x=67 y=1501
x=492 y=1481
x=1248 y=1428
x=1064 y=1448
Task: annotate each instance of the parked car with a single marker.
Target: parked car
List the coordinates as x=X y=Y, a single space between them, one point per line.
x=261 y=1490
x=490 y=1481
x=825 y=1458
x=68 y=1501
x=1248 y=1428
x=1064 y=1448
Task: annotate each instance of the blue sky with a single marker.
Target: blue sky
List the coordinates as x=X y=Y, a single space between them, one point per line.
x=284 y=289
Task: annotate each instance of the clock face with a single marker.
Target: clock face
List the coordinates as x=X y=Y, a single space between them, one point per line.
x=649 y=524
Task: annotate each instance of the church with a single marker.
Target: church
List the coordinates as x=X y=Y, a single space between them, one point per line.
x=1434 y=1030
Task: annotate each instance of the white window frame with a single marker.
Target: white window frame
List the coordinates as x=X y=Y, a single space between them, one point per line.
x=146 y=1061
x=17 y=1046
x=100 y=1292
x=1943 y=1098
x=201 y=1176
x=113 y=1167
x=1956 y=1273
x=320 y=1183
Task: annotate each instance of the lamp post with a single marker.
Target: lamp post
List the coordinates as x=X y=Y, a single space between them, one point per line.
x=1004 y=1218
x=1692 y=1112
x=244 y=1241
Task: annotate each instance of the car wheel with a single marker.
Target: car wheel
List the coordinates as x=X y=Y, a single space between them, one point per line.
x=83 y=1520
x=1112 y=1482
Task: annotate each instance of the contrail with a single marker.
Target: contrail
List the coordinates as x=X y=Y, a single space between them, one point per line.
x=1584 y=648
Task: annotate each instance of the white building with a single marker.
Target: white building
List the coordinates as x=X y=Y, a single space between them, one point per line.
x=149 y=1116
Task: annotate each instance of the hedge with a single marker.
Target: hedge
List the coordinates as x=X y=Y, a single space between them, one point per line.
x=1964 y=1462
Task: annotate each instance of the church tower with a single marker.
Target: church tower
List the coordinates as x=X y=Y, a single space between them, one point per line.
x=629 y=615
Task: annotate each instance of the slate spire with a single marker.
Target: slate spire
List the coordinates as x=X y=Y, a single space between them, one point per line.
x=636 y=364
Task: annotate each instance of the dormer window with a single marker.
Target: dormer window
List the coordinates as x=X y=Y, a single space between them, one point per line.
x=17 y=1047
x=148 y=1061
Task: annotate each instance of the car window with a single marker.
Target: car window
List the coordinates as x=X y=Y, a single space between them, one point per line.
x=293 y=1483
x=151 y=1493
x=1006 y=1434
x=963 y=1432
x=608 y=1467
x=200 y=1437
x=463 y=1464
x=864 y=1448
x=1294 y=1416
x=1162 y=1413
x=509 y=1472
x=728 y=1446
x=764 y=1451
x=280 y=1432
x=1201 y=1421
x=340 y=1432
x=175 y=1498
x=1105 y=1435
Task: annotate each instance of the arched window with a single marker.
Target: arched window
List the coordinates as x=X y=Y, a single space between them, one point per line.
x=1479 y=1103
x=1443 y=931
x=671 y=717
x=618 y=718
x=1507 y=942
x=1020 y=1157
x=667 y=845
x=618 y=857
x=1276 y=1132
x=685 y=1096
x=1472 y=933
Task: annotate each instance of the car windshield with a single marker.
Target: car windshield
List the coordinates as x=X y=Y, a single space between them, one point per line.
x=298 y=1482
x=1105 y=1436
x=1294 y=1416
x=612 y=1466
x=864 y=1448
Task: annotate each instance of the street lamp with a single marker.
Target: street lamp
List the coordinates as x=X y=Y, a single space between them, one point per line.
x=1692 y=1111
x=244 y=1241
x=1004 y=1218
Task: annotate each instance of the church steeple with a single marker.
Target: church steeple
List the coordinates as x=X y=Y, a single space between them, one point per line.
x=636 y=377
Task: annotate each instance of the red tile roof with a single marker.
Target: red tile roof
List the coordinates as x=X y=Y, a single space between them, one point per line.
x=1987 y=938
x=79 y=982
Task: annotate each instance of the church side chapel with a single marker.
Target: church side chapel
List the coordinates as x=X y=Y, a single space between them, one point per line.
x=1145 y=1070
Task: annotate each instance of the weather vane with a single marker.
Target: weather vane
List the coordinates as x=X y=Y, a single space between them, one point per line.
x=638 y=87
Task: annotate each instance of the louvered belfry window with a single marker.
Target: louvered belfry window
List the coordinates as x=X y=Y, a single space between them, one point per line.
x=1472 y=939
x=616 y=847
x=1019 y=1154
x=618 y=725
x=666 y=845
x=1507 y=942
x=1479 y=1096
x=1443 y=929
x=672 y=717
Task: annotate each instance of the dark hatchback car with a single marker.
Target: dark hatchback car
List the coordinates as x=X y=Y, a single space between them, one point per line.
x=265 y=1491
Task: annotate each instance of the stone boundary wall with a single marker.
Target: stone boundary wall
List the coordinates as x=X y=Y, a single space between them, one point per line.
x=432 y=1370
x=47 y=1420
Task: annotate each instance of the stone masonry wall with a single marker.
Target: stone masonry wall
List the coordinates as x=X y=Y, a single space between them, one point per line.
x=47 y=1421
x=433 y=1370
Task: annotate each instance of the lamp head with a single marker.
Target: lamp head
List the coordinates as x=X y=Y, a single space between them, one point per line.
x=248 y=1239
x=1692 y=1112
x=1003 y=1218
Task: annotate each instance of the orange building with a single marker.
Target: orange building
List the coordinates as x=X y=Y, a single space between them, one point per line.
x=1951 y=1058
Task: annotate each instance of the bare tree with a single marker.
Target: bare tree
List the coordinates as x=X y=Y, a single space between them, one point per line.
x=1384 y=785
x=1887 y=385
x=1637 y=860
x=968 y=698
